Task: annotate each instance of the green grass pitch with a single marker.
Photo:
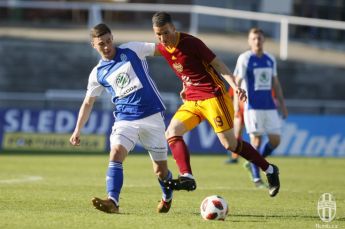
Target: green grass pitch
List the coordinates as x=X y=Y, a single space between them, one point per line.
x=55 y=191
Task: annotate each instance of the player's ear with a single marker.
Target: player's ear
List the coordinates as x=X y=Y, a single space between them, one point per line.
x=172 y=27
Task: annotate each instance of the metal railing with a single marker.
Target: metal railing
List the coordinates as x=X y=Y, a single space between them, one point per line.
x=72 y=99
x=95 y=15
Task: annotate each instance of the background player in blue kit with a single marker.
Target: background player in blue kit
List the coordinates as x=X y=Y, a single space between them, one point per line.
x=123 y=72
x=256 y=71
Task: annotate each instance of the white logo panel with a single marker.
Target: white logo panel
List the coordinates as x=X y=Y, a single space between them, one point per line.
x=262 y=79
x=124 y=80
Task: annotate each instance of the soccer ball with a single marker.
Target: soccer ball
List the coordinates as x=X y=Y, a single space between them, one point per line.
x=214 y=208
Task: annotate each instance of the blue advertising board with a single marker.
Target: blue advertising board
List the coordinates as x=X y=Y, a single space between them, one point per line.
x=24 y=129
x=313 y=135
x=49 y=130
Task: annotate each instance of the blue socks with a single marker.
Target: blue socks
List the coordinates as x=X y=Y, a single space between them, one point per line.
x=267 y=150
x=114 y=180
x=255 y=172
x=167 y=193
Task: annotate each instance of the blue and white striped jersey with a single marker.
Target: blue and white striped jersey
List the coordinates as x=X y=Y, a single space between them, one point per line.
x=257 y=73
x=127 y=79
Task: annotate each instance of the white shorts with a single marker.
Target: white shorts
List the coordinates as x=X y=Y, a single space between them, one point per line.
x=150 y=131
x=259 y=122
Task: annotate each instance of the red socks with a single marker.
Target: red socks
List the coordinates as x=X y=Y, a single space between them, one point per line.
x=180 y=153
x=252 y=155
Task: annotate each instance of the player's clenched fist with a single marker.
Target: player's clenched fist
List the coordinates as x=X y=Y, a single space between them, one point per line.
x=75 y=139
x=242 y=94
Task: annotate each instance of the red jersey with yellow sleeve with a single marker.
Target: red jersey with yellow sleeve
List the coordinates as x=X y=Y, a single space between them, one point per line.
x=190 y=59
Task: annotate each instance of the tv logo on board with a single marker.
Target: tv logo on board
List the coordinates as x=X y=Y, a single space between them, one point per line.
x=327 y=209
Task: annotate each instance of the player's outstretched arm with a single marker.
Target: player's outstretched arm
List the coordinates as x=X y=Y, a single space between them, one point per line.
x=83 y=116
x=224 y=71
x=279 y=93
x=236 y=102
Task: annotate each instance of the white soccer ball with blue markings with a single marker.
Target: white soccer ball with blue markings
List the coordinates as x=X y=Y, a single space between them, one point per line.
x=214 y=208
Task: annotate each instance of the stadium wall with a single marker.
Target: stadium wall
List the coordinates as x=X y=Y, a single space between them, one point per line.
x=36 y=66
x=28 y=130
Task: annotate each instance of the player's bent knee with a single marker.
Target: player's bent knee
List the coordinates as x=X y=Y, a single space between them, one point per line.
x=175 y=128
x=170 y=132
x=167 y=134
x=274 y=143
x=118 y=153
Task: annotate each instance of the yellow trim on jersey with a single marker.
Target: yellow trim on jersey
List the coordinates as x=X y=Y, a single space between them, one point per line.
x=215 y=77
x=171 y=50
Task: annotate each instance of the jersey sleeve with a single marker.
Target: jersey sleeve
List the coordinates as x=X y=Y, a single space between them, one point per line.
x=142 y=49
x=275 y=72
x=240 y=69
x=94 y=88
x=203 y=51
x=274 y=64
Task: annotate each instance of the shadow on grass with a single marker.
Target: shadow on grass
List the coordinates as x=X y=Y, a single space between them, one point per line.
x=263 y=218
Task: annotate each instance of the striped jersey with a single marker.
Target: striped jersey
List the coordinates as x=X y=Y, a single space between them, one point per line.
x=127 y=79
x=257 y=73
x=190 y=59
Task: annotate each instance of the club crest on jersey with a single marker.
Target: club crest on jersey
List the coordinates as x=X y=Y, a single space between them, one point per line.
x=264 y=78
x=123 y=57
x=178 y=67
x=122 y=80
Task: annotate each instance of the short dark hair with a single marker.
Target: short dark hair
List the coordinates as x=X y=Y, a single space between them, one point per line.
x=99 y=30
x=161 y=18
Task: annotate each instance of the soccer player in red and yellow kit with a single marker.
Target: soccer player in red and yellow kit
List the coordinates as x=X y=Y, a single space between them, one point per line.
x=205 y=98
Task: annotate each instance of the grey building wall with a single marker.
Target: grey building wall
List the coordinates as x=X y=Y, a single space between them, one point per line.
x=36 y=66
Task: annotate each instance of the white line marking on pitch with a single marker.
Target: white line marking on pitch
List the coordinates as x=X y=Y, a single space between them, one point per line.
x=23 y=179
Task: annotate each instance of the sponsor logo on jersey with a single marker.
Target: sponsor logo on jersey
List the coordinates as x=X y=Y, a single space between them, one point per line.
x=129 y=90
x=178 y=67
x=264 y=78
x=122 y=80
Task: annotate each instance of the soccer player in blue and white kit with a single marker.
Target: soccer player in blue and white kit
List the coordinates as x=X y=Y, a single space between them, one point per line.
x=123 y=72
x=256 y=71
